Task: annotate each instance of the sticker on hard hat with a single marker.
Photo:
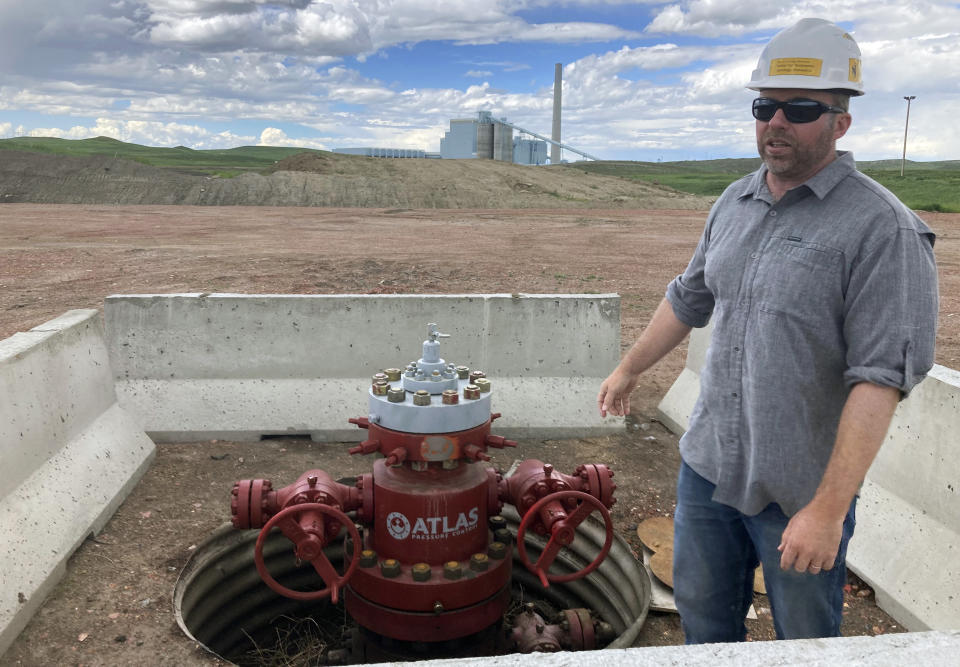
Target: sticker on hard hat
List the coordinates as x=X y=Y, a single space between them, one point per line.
x=795 y=67
x=432 y=527
x=854 y=74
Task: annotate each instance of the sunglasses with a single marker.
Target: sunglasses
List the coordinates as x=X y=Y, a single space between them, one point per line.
x=796 y=111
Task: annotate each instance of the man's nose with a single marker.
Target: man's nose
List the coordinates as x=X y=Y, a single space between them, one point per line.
x=779 y=119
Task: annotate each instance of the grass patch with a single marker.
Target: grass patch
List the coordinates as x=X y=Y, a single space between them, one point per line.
x=925 y=186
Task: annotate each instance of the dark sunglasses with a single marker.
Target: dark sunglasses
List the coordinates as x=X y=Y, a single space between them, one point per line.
x=796 y=111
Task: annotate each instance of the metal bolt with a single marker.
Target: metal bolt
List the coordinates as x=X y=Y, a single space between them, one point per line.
x=421 y=397
x=547 y=469
x=450 y=464
x=452 y=570
x=474 y=375
x=393 y=374
x=419 y=466
x=396 y=395
x=420 y=572
x=380 y=377
x=497 y=550
x=312 y=480
x=390 y=568
x=462 y=372
x=496 y=521
x=368 y=558
x=471 y=391
x=503 y=535
x=438 y=607
x=380 y=388
x=451 y=397
x=483 y=384
x=479 y=562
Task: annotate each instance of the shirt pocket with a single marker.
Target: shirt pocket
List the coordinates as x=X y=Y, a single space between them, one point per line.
x=799 y=279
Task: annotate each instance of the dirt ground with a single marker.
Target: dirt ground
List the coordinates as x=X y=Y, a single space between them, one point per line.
x=114 y=605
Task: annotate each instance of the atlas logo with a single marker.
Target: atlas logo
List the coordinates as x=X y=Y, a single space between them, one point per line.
x=432 y=527
x=398 y=526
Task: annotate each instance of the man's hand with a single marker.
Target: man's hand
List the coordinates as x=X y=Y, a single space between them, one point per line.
x=614 y=396
x=810 y=541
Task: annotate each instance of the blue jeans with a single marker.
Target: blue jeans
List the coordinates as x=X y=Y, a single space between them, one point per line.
x=716 y=550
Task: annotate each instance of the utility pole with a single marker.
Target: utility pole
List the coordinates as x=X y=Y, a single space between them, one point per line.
x=903 y=161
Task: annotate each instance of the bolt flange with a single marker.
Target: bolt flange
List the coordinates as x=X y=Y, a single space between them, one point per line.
x=390 y=568
x=452 y=570
x=421 y=572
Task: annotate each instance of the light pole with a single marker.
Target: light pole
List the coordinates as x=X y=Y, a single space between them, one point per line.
x=906 y=126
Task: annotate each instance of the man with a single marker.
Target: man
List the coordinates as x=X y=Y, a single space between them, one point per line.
x=822 y=288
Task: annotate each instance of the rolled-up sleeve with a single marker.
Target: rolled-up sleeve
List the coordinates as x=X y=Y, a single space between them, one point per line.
x=688 y=294
x=891 y=308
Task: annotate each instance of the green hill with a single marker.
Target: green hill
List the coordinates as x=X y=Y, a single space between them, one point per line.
x=224 y=162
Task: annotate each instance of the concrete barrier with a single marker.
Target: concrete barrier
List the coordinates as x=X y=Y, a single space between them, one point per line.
x=931 y=649
x=68 y=452
x=907 y=540
x=239 y=367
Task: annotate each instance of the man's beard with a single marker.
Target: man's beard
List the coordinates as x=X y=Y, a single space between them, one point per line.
x=801 y=160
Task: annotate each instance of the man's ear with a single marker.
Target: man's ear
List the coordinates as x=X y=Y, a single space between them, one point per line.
x=843 y=123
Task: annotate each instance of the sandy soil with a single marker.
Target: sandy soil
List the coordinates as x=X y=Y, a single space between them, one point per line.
x=114 y=606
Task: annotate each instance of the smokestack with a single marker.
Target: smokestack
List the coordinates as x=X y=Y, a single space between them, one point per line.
x=557 y=89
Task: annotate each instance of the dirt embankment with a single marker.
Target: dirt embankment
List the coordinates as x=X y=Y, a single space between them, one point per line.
x=327 y=179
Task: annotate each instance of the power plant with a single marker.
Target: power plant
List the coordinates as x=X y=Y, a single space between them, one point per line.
x=489 y=138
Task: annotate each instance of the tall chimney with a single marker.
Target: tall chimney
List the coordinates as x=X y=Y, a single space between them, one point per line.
x=557 y=89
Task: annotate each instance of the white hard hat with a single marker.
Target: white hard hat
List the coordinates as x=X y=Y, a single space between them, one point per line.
x=813 y=54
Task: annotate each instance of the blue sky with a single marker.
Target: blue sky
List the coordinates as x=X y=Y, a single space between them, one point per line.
x=643 y=80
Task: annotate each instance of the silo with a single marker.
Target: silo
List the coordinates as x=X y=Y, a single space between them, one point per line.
x=485 y=141
x=502 y=142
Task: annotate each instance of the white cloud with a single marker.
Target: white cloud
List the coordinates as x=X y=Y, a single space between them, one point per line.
x=146 y=132
x=173 y=72
x=272 y=136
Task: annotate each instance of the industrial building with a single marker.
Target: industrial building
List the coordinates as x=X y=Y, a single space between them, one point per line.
x=368 y=151
x=489 y=138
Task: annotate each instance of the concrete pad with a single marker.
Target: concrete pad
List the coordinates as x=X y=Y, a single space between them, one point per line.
x=907 y=539
x=198 y=367
x=70 y=456
x=933 y=649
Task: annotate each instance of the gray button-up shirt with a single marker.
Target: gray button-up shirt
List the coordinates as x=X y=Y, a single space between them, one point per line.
x=832 y=285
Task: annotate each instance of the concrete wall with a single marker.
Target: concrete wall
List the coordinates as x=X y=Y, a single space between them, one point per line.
x=907 y=540
x=197 y=367
x=930 y=649
x=68 y=452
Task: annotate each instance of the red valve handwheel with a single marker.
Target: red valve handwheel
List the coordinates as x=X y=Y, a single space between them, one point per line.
x=564 y=527
x=291 y=528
